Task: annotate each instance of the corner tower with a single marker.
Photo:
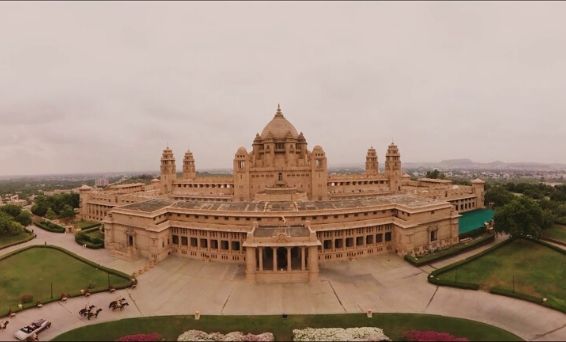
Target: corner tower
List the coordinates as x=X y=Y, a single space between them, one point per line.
x=371 y=162
x=319 y=174
x=393 y=167
x=241 y=175
x=189 y=170
x=168 y=171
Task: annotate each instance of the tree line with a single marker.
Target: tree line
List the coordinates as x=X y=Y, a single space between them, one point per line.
x=13 y=219
x=526 y=209
x=56 y=206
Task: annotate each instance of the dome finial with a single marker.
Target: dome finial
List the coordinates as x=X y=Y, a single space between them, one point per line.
x=279 y=112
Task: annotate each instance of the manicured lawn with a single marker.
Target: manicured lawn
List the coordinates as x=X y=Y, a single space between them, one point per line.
x=529 y=267
x=6 y=240
x=35 y=269
x=394 y=326
x=557 y=232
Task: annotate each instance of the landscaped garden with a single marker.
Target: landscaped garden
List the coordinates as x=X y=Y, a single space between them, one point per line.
x=43 y=273
x=521 y=268
x=395 y=326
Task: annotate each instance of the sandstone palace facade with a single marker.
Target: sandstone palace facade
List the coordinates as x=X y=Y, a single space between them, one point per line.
x=280 y=214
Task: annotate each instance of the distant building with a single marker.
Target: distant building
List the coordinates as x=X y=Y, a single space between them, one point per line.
x=101 y=182
x=15 y=199
x=281 y=214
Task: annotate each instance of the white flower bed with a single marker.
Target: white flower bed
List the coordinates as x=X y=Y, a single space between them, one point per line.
x=339 y=334
x=197 y=335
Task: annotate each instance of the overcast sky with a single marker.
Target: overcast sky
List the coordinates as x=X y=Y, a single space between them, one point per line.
x=101 y=86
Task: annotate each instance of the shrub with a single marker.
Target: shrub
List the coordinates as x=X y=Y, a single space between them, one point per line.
x=50 y=226
x=429 y=335
x=458 y=284
x=140 y=337
x=84 y=239
x=451 y=251
x=27 y=298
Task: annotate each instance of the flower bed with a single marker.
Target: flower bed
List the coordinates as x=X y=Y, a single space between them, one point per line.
x=197 y=335
x=340 y=334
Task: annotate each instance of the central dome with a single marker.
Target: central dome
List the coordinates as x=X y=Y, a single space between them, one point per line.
x=279 y=127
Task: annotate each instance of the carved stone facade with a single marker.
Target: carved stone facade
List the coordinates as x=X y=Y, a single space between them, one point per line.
x=280 y=213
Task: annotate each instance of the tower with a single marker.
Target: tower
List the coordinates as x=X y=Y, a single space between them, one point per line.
x=371 y=162
x=168 y=171
x=189 y=170
x=478 y=188
x=319 y=174
x=393 y=167
x=241 y=175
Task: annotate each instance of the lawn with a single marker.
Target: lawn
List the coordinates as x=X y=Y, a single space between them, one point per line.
x=525 y=266
x=33 y=270
x=557 y=232
x=6 y=240
x=394 y=326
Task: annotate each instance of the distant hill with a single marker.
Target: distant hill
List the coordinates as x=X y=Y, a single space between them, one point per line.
x=456 y=164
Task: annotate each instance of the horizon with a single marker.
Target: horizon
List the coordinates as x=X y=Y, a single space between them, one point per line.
x=425 y=165
x=442 y=80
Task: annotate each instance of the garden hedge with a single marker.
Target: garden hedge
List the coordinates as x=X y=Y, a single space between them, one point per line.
x=449 y=252
x=458 y=284
x=90 y=226
x=473 y=233
x=50 y=226
x=83 y=239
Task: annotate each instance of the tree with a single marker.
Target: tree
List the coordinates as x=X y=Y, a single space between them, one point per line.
x=498 y=195
x=8 y=226
x=67 y=211
x=24 y=218
x=11 y=209
x=435 y=174
x=39 y=209
x=50 y=214
x=522 y=216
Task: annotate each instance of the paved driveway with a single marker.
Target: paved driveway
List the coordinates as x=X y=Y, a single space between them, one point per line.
x=382 y=283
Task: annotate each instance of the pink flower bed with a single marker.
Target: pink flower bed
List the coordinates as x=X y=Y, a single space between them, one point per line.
x=430 y=336
x=151 y=337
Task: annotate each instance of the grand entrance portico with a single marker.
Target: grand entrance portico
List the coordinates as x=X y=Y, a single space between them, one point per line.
x=281 y=254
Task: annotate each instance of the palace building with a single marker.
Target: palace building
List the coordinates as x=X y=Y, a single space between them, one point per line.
x=280 y=214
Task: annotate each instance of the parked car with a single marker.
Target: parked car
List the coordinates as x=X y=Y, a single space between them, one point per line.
x=34 y=328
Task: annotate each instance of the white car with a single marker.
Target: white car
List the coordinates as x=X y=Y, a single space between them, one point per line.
x=34 y=328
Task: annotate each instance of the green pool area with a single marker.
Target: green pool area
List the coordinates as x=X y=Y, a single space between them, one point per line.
x=473 y=220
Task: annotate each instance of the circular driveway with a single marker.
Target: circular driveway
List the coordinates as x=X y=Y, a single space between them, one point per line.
x=383 y=283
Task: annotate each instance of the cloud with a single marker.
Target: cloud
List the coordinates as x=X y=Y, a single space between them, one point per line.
x=444 y=80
